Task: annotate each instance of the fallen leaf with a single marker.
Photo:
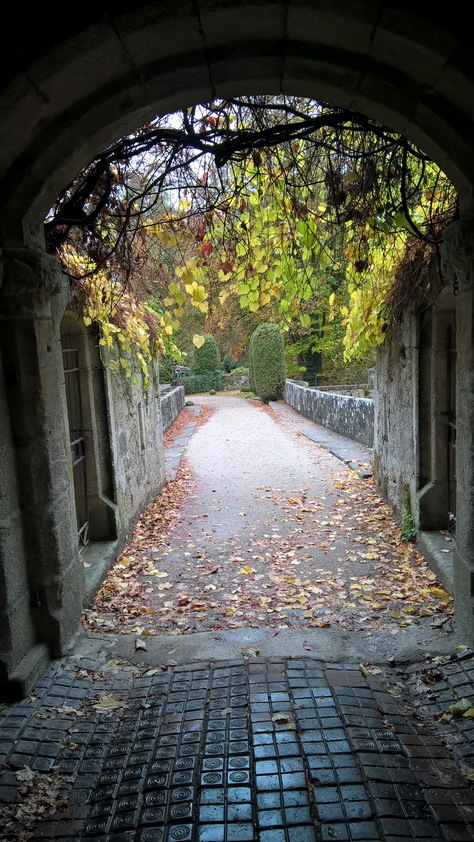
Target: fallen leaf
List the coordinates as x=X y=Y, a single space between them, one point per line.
x=25 y=774
x=469 y=773
x=108 y=703
x=247 y=569
x=226 y=711
x=439 y=592
x=460 y=707
x=140 y=644
x=306 y=645
x=68 y=709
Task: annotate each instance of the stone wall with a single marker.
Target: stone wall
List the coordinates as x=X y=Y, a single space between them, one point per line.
x=395 y=403
x=235 y=380
x=48 y=401
x=171 y=402
x=411 y=465
x=136 y=444
x=17 y=630
x=347 y=416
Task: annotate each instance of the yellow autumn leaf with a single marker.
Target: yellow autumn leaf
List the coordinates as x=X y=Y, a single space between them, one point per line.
x=198 y=340
x=247 y=569
x=160 y=574
x=108 y=703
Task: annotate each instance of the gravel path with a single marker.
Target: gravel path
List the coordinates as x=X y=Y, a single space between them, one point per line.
x=276 y=532
x=247 y=466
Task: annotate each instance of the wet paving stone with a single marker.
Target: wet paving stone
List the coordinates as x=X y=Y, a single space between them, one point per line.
x=255 y=750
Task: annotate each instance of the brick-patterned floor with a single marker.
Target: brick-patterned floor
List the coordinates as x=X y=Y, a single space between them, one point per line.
x=254 y=749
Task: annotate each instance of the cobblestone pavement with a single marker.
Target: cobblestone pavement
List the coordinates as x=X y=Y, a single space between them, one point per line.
x=260 y=749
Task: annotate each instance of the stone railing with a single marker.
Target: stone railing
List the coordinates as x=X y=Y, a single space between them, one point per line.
x=347 y=416
x=172 y=402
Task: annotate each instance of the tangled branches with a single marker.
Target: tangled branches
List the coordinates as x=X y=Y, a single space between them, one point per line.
x=188 y=154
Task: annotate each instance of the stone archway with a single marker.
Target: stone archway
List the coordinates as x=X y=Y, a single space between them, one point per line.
x=73 y=86
x=77 y=85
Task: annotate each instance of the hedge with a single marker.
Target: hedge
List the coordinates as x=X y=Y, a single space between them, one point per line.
x=206 y=358
x=267 y=362
x=195 y=383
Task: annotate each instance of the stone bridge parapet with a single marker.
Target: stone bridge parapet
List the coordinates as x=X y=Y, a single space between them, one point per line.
x=347 y=416
x=172 y=402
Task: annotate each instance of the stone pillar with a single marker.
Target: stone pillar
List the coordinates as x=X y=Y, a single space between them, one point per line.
x=40 y=553
x=458 y=266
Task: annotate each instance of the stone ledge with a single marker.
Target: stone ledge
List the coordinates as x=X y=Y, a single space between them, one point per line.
x=26 y=673
x=431 y=545
x=100 y=555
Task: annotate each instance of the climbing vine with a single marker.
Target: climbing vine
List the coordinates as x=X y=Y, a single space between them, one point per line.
x=129 y=328
x=304 y=213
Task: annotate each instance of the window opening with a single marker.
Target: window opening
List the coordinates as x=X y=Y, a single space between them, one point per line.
x=76 y=440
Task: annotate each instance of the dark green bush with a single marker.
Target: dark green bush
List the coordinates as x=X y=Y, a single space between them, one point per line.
x=206 y=359
x=267 y=362
x=166 y=370
x=195 y=383
x=250 y=367
x=229 y=364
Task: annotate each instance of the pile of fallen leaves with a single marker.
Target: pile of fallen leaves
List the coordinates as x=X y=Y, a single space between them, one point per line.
x=122 y=594
x=40 y=796
x=184 y=418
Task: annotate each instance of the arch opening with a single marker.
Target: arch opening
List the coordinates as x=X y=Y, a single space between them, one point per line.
x=68 y=94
